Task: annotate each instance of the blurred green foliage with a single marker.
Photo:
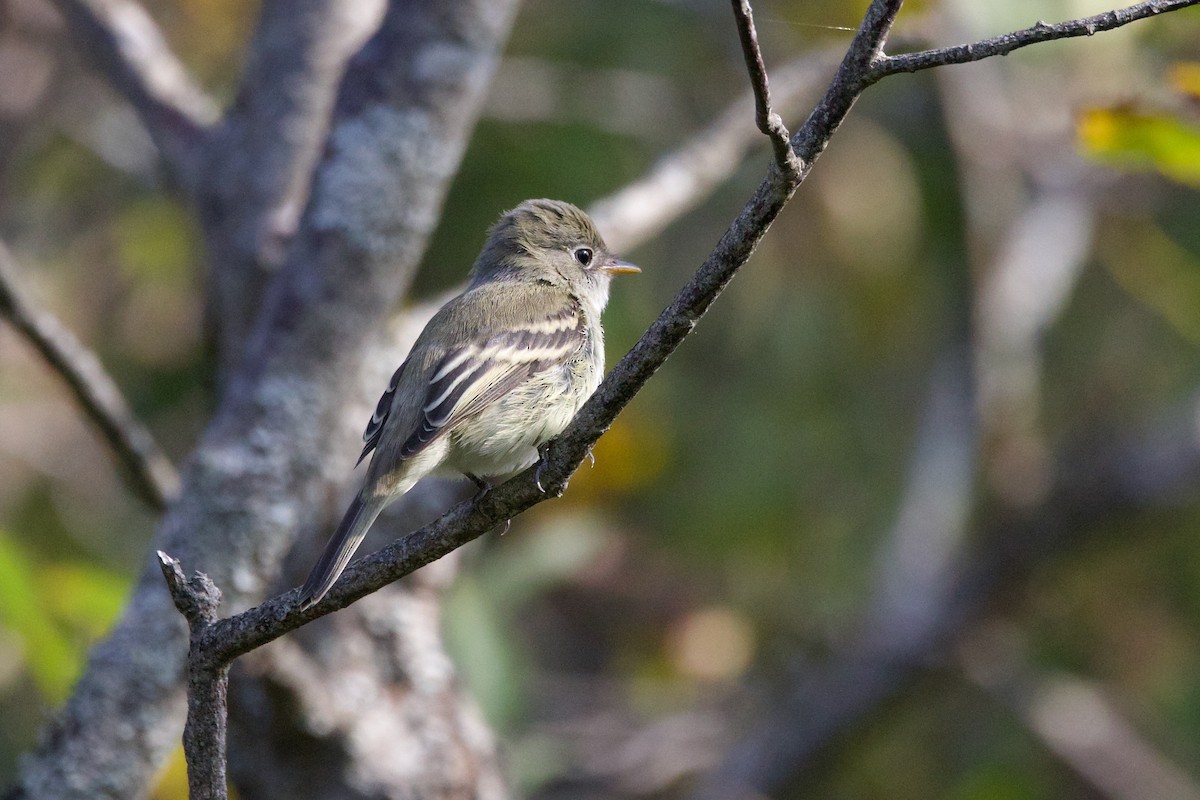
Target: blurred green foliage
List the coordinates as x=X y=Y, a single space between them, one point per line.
x=1136 y=139
x=743 y=496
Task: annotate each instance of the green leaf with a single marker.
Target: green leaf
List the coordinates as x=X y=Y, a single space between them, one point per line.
x=483 y=648
x=1139 y=140
x=52 y=661
x=82 y=597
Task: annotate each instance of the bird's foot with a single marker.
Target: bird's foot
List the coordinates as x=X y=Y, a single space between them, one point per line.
x=543 y=455
x=484 y=486
x=537 y=476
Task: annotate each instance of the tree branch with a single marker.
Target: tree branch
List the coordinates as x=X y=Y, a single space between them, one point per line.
x=208 y=689
x=681 y=179
x=130 y=51
x=1076 y=721
x=151 y=474
x=341 y=273
x=1006 y=43
x=264 y=465
x=260 y=158
x=228 y=638
x=768 y=121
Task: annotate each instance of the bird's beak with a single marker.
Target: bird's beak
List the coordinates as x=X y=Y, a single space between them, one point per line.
x=616 y=266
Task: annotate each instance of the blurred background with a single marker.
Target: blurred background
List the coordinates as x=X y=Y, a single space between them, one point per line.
x=912 y=514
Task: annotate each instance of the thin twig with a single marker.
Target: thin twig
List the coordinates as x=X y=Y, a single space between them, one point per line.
x=769 y=122
x=204 y=732
x=1006 y=43
x=150 y=472
x=130 y=50
x=1075 y=720
x=848 y=83
x=681 y=179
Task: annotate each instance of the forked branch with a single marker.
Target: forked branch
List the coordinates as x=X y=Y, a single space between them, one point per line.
x=768 y=121
x=1006 y=43
x=128 y=47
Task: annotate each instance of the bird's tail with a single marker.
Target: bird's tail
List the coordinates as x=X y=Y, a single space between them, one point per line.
x=345 y=541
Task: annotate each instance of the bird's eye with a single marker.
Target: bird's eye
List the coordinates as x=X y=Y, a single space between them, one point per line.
x=583 y=255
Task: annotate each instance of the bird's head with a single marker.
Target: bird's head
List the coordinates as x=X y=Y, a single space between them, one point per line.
x=553 y=242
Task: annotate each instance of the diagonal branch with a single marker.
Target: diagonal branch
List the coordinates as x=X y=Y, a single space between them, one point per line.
x=130 y=50
x=228 y=638
x=1004 y=44
x=1075 y=720
x=768 y=121
x=150 y=471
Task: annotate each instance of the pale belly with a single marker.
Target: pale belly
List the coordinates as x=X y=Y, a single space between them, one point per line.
x=504 y=439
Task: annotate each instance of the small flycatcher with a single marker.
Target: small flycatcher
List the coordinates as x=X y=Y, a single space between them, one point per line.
x=499 y=370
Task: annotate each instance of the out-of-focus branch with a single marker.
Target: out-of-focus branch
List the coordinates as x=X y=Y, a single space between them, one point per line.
x=130 y=51
x=151 y=473
x=1075 y=721
x=827 y=705
x=1030 y=217
x=918 y=568
x=1004 y=44
x=259 y=160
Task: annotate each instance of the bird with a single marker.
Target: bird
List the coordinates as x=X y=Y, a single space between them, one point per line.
x=498 y=371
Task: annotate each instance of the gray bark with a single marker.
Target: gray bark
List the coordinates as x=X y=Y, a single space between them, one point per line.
x=261 y=471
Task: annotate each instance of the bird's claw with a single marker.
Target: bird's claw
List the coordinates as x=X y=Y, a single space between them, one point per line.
x=483 y=485
x=591 y=458
x=558 y=487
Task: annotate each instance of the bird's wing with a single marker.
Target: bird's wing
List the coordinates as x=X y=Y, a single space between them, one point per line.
x=382 y=410
x=476 y=373
x=477 y=369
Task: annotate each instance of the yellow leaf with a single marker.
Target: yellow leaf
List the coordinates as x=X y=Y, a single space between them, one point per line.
x=51 y=659
x=1138 y=140
x=1184 y=77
